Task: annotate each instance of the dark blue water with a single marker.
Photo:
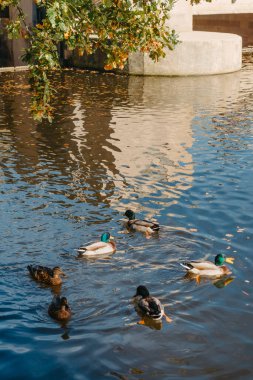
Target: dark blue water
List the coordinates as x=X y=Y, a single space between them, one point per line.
x=178 y=150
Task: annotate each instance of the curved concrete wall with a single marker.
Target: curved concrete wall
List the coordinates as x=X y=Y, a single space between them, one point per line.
x=198 y=53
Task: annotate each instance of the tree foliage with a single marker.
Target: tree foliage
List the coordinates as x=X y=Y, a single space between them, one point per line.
x=117 y=27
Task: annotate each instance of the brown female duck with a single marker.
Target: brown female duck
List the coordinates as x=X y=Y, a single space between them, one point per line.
x=46 y=275
x=59 y=308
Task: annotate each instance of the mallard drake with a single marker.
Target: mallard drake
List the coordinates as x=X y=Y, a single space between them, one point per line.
x=59 y=308
x=140 y=225
x=103 y=247
x=148 y=306
x=46 y=275
x=207 y=268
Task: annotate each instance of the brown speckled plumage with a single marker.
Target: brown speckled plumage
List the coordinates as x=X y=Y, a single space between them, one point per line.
x=46 y=275
x=59 y=308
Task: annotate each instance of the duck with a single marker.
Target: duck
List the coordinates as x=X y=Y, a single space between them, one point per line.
x=46 y=275
x=103 y=247
x=140 y=225
x=148 y=306
x=59 y=308
x=207 y=268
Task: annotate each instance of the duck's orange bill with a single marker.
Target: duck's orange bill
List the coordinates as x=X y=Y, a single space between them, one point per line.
x=141 y=322
x=168 y=319
x=229 y=260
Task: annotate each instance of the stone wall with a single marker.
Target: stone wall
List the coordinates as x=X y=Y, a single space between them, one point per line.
x=241 y=24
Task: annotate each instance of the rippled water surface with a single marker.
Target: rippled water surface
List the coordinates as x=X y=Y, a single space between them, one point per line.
x=178 y=150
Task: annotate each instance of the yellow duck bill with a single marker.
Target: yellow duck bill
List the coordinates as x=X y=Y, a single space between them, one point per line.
x=229 y=260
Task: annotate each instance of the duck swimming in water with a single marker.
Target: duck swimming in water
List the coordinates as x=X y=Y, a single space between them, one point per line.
x=46 y=275
x=59 y=308
x=207 y=268
x=103 y=247
x=148 y=306
x=134 y=224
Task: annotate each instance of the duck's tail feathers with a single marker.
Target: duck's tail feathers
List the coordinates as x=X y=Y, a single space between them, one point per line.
x=81 y=250
x=30 y=269
x=156 y=317
x=155 y=227
x=186 y=265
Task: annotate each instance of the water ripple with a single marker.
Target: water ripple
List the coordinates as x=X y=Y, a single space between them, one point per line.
x=175 y=153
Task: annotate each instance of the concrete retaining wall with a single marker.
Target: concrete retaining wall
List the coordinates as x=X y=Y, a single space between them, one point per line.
x=199 y=53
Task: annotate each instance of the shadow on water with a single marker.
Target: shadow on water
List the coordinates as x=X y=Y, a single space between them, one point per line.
x=175 y=150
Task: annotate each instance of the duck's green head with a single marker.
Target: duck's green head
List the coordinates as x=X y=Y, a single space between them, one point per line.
x=220 y=259
x=105 y=237
x=142 y=291
x=130 y=214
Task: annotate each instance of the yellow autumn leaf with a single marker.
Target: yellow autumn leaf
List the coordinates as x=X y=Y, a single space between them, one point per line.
x=80 y=52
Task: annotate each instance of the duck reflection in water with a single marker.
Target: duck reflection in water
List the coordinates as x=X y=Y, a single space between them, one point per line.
x=149 y=308
x=65 y=335
x=219 y=283
x=222 y=282
x=56 y=290
x=151 y=323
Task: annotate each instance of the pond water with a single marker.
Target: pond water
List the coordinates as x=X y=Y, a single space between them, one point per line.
x=178 y=150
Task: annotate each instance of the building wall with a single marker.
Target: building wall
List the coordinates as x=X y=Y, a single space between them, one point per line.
x=227 y=16
x=12 y=50
x=5 y=45
x=241 y=24
x=223 y=7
